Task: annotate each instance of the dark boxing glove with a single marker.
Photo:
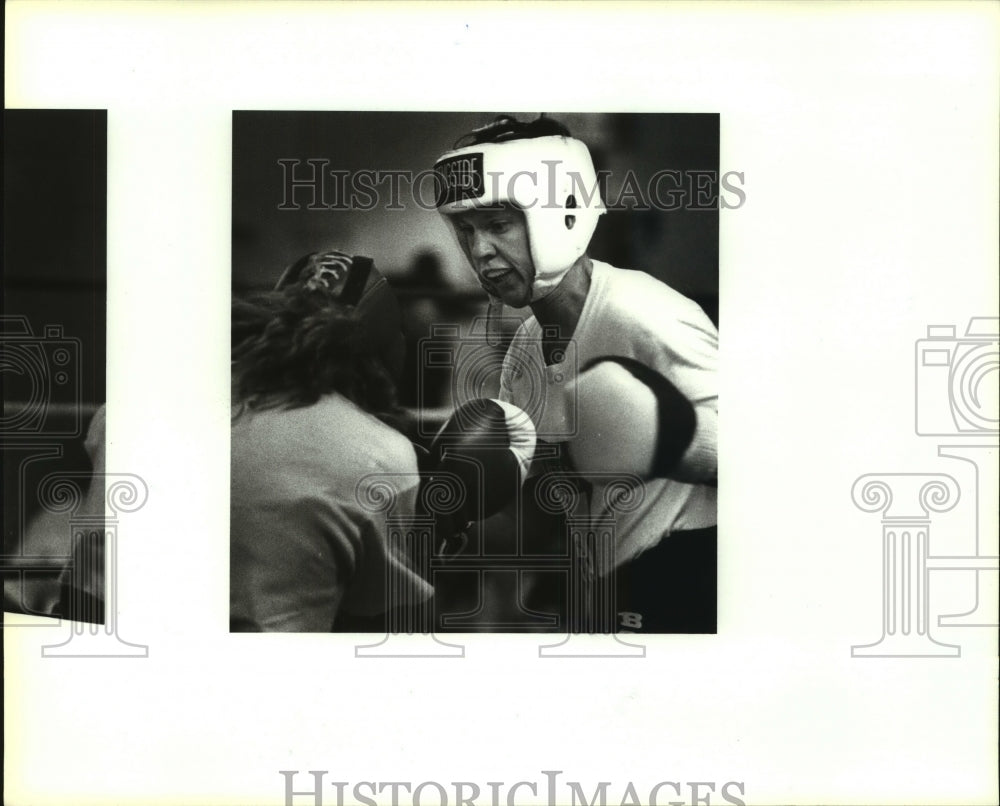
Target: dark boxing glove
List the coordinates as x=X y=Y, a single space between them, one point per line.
x=487 y=447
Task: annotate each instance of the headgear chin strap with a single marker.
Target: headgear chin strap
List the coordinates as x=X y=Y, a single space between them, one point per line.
x=551 y=179
x=354 y=281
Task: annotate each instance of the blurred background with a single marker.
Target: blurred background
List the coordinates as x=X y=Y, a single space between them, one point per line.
x=274 y=223
x=53 y=342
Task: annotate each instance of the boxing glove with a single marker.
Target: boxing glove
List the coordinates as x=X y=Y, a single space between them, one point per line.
x=486 y=446
x=631 y=419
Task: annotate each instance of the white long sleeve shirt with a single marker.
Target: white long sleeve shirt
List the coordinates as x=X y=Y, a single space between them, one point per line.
x=630 y=314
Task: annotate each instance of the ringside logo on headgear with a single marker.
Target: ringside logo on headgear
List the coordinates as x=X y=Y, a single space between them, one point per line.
x=551 y=179
x=461 y=178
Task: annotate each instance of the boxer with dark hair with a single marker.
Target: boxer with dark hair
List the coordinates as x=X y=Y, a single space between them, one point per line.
x=523 y=201
x=332 y=324
x=314 y=364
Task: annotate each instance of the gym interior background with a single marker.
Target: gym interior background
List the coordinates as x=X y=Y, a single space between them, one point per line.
x=295 y=191
x=54 y=256
x=275 y=221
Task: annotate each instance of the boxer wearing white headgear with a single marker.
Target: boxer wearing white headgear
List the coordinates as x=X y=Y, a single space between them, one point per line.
x=549 y=178
x=523 y=202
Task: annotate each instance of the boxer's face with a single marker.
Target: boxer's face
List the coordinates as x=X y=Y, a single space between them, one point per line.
x=495 y=240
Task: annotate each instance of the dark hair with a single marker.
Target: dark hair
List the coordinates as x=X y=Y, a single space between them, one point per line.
x=291 y=347
x=507 y=127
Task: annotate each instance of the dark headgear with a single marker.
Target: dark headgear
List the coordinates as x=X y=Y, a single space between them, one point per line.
x=354 y=281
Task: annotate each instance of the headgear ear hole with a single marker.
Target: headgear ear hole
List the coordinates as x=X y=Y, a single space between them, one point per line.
x=563 y=164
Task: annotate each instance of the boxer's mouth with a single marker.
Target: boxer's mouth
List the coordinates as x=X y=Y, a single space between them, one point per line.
x=495 y=275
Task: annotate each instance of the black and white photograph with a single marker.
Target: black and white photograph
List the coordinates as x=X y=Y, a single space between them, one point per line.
x=52 y=356
x=501 y=404
x=508 y=324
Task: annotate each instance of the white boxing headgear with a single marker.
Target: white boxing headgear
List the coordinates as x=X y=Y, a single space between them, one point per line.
x=551 y=179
